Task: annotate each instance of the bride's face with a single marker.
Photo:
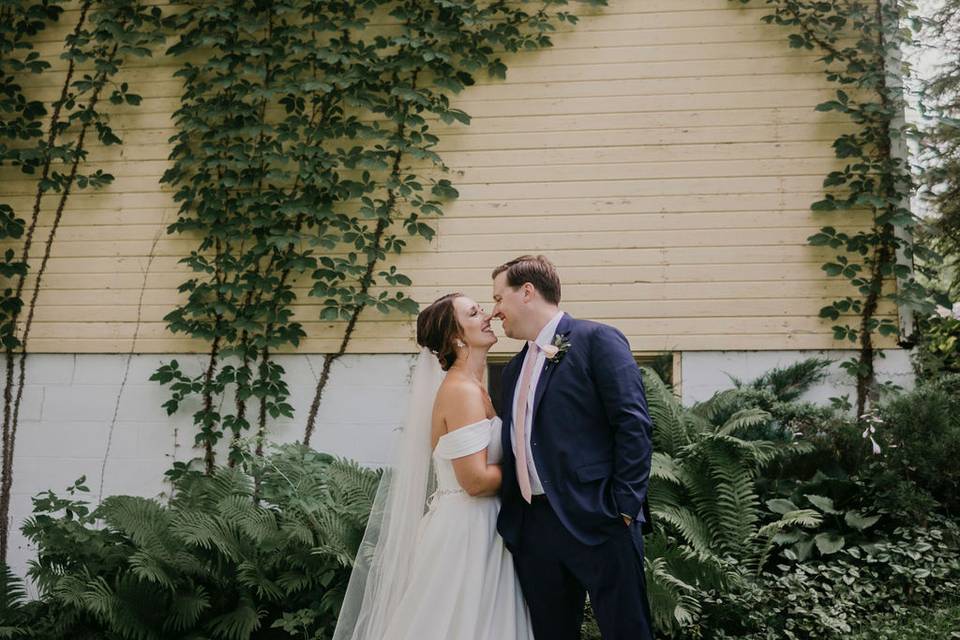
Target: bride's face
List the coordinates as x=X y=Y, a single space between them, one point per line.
x=474 y=323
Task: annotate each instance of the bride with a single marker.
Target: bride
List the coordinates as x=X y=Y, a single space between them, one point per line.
x=435 y=568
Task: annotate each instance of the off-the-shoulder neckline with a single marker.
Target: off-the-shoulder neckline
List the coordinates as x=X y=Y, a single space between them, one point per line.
x=467 y=426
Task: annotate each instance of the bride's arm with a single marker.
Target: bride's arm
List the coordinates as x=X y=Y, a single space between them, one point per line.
x=464 y=406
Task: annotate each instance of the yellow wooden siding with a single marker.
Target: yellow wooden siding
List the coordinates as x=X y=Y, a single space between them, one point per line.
x=664 y=154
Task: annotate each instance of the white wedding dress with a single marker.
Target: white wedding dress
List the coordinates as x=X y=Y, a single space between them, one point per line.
x=463 y=585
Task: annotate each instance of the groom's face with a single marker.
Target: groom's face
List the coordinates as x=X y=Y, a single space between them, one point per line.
x=508 y=306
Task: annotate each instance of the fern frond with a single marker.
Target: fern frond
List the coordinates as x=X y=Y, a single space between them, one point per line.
x=741 y=508
x=744 y=419
x=332 y=599
x=70 y=589
x=766 y=536
x=238 y=624
x=666 y=494
x=664 y=467
x=12 y=599
x=12 y=591
x=149 y=568
x=806 y=518
x=696 y=425
x=666 y=413
x=138 y=606
x=258 y=523
x=720 y=404
x=251 y=574
x=338 y=538
x=186 y=607
x=672 y=601
x=688 y=526
x=294 y=581
x=140 y=519
x=755 y=453
x=351 y=486
x=701 y=490
x=98 y=598
x=298 y=531
x=229 y=481
x=208 y=532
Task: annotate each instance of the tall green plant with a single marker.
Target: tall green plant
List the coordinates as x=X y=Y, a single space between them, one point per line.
x=299 y=153
x=860 y=43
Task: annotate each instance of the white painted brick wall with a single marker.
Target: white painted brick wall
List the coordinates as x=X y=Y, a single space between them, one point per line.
x=67 y=422
x=705 y=372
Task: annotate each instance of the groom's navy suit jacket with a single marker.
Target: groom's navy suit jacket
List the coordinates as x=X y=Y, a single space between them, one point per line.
x=591 y=436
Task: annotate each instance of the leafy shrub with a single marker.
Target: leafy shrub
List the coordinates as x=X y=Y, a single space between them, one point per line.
x=920 y=436
x=243 y=553
x=833 y=597
x=838 y=449
x=938 y=350
x=898 y=462
x=916 y=623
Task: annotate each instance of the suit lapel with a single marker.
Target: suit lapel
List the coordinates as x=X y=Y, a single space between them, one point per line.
x=566 y=322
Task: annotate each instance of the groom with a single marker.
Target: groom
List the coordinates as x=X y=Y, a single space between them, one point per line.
x=577 y=447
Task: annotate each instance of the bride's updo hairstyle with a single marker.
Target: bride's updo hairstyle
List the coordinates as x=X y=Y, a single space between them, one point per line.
x=437 y=329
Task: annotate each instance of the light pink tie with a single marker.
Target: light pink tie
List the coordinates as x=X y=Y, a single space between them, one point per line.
x=520 y=422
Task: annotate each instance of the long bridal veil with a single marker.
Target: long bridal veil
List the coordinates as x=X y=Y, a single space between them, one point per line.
x=382 y=567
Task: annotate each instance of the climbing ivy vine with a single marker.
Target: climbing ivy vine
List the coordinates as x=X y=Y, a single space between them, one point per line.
x=20 y=129
x=861 y=44
x=50 y=146
x=299 y=165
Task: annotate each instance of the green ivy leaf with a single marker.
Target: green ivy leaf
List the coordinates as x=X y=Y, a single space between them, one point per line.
x=444 y=189
x=831 y=105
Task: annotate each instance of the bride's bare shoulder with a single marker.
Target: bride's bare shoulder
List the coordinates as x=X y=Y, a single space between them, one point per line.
x=458 y=389
x=460 y=402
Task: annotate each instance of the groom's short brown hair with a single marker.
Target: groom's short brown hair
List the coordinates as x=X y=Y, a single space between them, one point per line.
x=536 y=270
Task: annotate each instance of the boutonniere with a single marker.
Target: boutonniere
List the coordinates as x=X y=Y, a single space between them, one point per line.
x=557 y=348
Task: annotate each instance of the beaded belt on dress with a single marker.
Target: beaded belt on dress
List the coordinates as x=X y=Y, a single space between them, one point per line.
x=439 y=493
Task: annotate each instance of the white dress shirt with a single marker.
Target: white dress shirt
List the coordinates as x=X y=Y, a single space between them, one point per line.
x=544 y=338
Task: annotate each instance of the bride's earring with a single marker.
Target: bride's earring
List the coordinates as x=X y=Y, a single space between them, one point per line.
x=461 y=344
